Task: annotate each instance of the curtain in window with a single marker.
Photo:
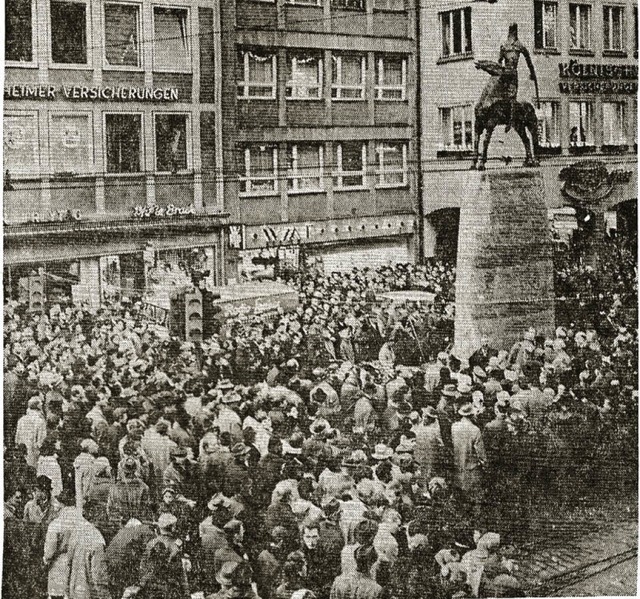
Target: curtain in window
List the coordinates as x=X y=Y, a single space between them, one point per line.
x=309 y=166
x=550 y=25
x=171 y=39
x=171 y=142
x=121 y=32
x=20 y=144
x=613 y=123
x=392 y=72
x=262 y=162
x=70 y=147
x=123 y=142
x=260 y=68
x=446 y=33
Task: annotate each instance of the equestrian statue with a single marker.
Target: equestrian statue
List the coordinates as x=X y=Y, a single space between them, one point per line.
x=498 y=103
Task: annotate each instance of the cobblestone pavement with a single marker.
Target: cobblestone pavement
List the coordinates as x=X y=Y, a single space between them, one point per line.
x=562 y=561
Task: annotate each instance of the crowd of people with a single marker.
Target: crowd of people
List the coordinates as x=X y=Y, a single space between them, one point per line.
x=338 y=451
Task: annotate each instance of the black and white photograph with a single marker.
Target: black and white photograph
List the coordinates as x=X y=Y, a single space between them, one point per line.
x=320 y=299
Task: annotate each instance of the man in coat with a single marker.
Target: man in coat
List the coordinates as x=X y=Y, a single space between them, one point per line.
x=87 y=565
x=429 y=450
x=468 y=454
x=32 y=430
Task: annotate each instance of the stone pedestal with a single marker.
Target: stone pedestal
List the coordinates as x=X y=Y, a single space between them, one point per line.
x=504 y=278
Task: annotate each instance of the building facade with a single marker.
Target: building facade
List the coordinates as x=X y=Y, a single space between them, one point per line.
x=319 y=137
x=585 y=54
x=112 y=147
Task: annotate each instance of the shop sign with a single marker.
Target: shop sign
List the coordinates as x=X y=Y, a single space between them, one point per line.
x=162 y=211
x=597 y=78
x=93 y=93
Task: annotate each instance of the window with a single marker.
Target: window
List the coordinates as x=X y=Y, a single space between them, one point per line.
x=306 y=2
x=348 y=77
x=18 y=31
x=256 y=74
x=580 y=26
x=122 y=34
x=580 y=124
x=613 y=114
x=260 y=170
x=124 y=142
x=171 y=142
x=348 y=4
x=70 y=147
x=20 y=144
x=391 y=168
x=457 y=128
x=389 y=5
x=546 y=24
x=306 y=166
x=351 y=160
x=68 y=33
x=171 y=39
x=455 y=28
x=548 y=125
x=391 y=79
x=304 y=77
x=613 y=24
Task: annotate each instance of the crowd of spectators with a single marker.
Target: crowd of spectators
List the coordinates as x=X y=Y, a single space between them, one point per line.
x=338 y=451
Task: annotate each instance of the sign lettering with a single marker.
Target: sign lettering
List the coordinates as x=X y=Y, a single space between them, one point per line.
x=162 y=211
x=87 y=94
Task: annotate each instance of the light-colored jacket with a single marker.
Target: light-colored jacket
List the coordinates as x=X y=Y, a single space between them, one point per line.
x=428 y=453
x=468 y=454
x=56 y=548
x=31 y=431
x=87 y=565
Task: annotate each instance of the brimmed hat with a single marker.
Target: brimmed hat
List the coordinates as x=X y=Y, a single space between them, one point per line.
x=479 y=372
x=466 y=410
x=169 y=489
x=382 y=452
x=231 y=398
x=224 y=384
x=449 y=390
x=429 y=412
x=320 y=426
x=178 y=452
x=239 y=449
x=464 y=388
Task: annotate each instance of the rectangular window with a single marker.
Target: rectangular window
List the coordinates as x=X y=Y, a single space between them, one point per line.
x=306 y=167
x=580 y=26
x=391 y=167
x=122 y=34
x=549 y=124
x=457 y=128
x=391 y=78
x=455 y=31
x=124 y=142
x=613 y=25
x=304 y=76
x=306 y=2
x=580 y=124
x=389 y=5
x=348 y=77
x=18 y=30
x=256 y=74
x=348 y=4
x=20 y=144
x=70 y=147
x=545 y=24
x=613 y=114
x=351 y=161
x=171 y=142
x=260 y=170
x=68 y=33
x=171 y=39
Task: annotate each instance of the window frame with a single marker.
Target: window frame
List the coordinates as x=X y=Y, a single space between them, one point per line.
x=33 y=63
x=188 y=144
x=381 y=171
x=545 y=45
x=623 y=141
x=453 y=148
x=336 y=61
x=248 y=178
x=387 y=9
x=142 y=115
x=380 y=88
x=303 y=3
x=340 y=174
x=88 y=38
x=292 y=60
x=71 y=113
x=590 y=139
x=342 y=5
x=448 y=14
x=581 y=6
x=623 y=37
x=296 y=177
x=155 y=67
x=120 y=67
x=246 y=84
x=27 y=173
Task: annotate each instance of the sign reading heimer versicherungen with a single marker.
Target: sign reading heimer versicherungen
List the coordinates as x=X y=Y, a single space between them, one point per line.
x=94 y=93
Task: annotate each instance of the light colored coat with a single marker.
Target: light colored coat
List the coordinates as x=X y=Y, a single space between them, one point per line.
x=428 y=453
x=31 y=430
x=56 y=548
x=87 y=565
x=468 y=455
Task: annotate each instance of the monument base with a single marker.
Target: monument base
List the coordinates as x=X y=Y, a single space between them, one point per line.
x=504 y=275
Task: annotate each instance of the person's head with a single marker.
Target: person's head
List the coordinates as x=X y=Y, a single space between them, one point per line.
x=179 y=456
x=168 y=495
x=89 y=446
x=167 y=524
x=234 y=531
x=513 y=31
x=365 y=531
x=249 y=435
x=417 y=535
x=310 y=535
x=42 y=490
x=365 y=557
x=295 y=567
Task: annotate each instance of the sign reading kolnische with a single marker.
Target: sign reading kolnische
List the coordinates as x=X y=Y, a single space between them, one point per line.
x=93 y=93
x=596 y=78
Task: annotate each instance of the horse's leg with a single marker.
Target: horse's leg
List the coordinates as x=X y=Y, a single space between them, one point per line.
x=521 y=130
x=477 y=127
x=533 y=130
x=485 y=145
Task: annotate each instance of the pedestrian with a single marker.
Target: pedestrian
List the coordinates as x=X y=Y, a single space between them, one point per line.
x=468 y=455
x=32 y=430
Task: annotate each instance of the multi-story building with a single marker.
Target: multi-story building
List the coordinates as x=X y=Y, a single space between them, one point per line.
x=585 y=54
x=112 y=146
x=319 y=133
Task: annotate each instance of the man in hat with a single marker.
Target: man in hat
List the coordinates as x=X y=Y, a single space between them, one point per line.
x=468 y=454
x=32 y=430
x=228 y=419
x=238 y=481
x=447 y=413
x=429 y=449
x=234 y=550
x=270 y=561
x=43 y=507
x=182 y=474
x=157 y=445
x=482 y=355
x=129 y=495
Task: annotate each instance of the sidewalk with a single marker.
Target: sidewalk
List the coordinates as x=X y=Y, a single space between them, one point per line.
x=558 y=561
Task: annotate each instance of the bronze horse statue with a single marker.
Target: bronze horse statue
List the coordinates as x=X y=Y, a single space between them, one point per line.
x=487 y=118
